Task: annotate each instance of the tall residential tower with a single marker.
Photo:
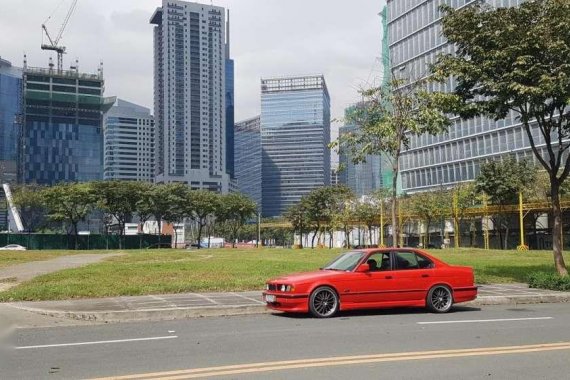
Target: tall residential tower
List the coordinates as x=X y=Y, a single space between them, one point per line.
x=190 y=94
x=295 y=133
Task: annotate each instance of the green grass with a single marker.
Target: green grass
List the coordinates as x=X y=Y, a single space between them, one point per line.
x=167 y=271
x=8 y=258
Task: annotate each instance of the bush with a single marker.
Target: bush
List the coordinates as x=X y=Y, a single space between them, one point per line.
x=550 y=281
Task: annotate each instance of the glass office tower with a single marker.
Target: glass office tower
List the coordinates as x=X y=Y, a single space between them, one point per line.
x=62 y=133
x=10 y=115
x=248 y=158
x=362 y=178
x=129 y=143
x=415 y=40
x=295 y=133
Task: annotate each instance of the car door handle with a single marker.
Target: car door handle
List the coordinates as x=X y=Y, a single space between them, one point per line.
x=388 y=277
x=425 y=275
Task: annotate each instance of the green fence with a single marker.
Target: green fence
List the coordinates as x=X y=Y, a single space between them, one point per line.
x=86 y=242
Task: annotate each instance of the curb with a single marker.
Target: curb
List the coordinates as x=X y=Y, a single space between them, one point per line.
x=149 y=315
x=216 y=311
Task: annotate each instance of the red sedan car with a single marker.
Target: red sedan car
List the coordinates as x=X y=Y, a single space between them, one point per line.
x=373 y=278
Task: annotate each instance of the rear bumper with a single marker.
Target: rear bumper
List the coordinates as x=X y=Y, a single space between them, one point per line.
x=464 y=294
x=292 y=303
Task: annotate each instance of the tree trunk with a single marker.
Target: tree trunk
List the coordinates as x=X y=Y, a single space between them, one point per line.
x=76 y=235
x=557 y=229
x=395 y=226
x=199 y=240
x=315 y=232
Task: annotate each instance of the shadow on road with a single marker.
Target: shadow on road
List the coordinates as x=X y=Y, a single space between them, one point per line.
x=378 y=312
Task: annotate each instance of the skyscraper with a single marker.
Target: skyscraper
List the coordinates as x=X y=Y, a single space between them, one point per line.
x=362 y=178
x=295 y=133
x=248 y=158
x=190 y=94
x=129 y=143
x=230 y=105
x=62 y=132
x=10 y=112
x=455 y=156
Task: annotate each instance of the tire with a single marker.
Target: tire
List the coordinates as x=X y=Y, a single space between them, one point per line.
x=439 y=299
x=323 y=302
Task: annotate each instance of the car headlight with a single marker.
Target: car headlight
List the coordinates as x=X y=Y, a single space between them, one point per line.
x=287 y=288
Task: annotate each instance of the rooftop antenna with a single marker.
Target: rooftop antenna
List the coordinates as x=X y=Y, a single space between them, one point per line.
x=54 y=43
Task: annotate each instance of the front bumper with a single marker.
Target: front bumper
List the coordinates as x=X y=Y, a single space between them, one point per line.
x=293 y=303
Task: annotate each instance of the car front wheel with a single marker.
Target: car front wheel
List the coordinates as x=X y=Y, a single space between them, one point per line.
x=439 y=299
x=323 y=302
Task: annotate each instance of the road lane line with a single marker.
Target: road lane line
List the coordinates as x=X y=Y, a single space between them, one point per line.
x=343 y=360
x=96 y=342
x=484 y=320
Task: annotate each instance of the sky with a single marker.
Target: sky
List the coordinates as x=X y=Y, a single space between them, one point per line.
x=338 y=38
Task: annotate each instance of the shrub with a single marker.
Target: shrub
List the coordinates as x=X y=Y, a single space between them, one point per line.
x=550 y=281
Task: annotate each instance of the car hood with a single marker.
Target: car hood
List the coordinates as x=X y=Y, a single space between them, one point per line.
x=299 y=278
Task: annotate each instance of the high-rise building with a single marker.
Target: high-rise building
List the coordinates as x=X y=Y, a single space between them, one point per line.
x=248 y=158
x=10 y=114
x=129 y=143
x=230 y=105
x=455 y=156
x=295 y=133
x=362 y=178
x=62 y=130
x=190 y=94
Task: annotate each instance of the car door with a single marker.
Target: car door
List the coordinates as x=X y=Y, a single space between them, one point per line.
x=373 y=287
x=412 y=275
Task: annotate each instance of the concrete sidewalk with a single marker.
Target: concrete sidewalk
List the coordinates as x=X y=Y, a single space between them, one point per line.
x=189 y=305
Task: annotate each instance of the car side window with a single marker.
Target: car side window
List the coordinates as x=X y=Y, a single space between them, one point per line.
x=406 y=260
x=379 y=262
x=424 y=262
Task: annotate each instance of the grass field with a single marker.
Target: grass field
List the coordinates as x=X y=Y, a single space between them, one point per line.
x=168 y=271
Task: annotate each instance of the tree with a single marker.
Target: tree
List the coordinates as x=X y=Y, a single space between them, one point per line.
x=516 y=60
x=501 y=182
x=297 y=216
x=30 y=203
x=319 y=206
x=387 y=118
x=162 y=201
x=464 y=196
x=203 y=205
x=119 y=199
x=143 y=207
x=236 y=210
x=368 y=213
x=70 y=203
x=430 y=206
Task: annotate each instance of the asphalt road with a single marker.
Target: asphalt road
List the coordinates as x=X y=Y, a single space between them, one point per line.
x=501 y=342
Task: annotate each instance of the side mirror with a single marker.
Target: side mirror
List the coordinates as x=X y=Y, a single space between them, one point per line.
x=363 y=268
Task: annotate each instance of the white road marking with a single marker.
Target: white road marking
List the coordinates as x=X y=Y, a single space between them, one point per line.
x=96 y=342
x=248 y=298
x=484 y=320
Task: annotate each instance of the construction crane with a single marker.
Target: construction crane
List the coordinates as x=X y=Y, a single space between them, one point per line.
x=54 y=43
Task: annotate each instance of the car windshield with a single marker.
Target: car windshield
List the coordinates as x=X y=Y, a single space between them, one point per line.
x=345 y=262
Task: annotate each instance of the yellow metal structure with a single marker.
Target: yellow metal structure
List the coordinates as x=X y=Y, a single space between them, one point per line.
x=522 y=246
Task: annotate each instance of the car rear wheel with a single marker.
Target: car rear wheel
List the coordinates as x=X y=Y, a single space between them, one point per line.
x=439 y=299
x=323 y=302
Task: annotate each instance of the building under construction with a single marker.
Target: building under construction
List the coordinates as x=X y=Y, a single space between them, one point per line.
x=62 y=133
